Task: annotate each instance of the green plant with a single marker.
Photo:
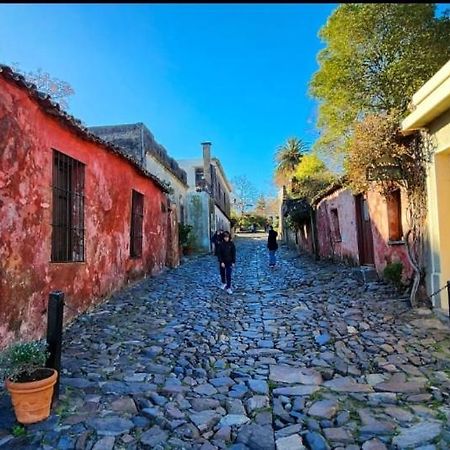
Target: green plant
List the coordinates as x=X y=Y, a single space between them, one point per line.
x=18 y=431
x=183 y=233
x=19 y=361
x=317 y=395
x=393 y=273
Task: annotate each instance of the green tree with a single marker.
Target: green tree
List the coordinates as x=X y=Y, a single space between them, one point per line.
x=310 y=177
x=309 y=166
x=376 y=57
x=288 y=156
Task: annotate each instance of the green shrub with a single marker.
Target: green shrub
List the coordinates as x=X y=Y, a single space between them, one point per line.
x=183 y=234
x=22 y=359
x=393 y=273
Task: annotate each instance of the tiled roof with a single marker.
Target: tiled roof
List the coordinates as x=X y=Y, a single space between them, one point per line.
x=75 y=125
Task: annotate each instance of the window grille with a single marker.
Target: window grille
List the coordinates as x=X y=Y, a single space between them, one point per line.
x=137 y=219
x=68 y=209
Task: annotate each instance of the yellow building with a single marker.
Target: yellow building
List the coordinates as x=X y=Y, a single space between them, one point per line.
x=431 y=111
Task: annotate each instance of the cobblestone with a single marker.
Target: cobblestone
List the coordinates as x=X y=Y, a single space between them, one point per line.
x=300 y=356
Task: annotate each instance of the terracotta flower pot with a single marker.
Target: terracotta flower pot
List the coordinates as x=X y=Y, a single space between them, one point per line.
x=32 y=400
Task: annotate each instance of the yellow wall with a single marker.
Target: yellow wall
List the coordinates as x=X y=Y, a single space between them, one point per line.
x=431 y=110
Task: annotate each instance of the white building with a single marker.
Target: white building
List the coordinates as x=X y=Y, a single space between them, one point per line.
x=206 y=174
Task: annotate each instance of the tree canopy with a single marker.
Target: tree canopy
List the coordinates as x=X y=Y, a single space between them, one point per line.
x=288 y=156
x=376 y=57
x=310 y=165
x=310 y=177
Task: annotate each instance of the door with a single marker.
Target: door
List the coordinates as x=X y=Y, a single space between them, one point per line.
x=364 y=230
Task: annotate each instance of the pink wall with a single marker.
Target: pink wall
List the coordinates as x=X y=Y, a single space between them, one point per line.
x=27 y=137
x=347 y=249
x=329 y=247
x=384 y=251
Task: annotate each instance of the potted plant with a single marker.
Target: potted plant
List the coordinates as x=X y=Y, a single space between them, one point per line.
x=30 y=383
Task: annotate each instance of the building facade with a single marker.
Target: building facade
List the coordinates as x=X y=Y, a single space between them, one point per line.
x=137 y=140
x=431 y=113
x=206 y=175
x=77 y=214
x=365 y=230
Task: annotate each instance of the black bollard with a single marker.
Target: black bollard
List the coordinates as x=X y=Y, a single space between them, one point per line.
x=54 y=335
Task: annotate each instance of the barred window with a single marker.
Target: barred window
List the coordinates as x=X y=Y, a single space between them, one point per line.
x=137 y=219
x=68 y=209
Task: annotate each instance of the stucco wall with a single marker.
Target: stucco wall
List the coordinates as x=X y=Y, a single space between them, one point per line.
x=189 y=166
x=438 y=186
x=329 y=247
x=27 y=137
x=221 y=220
x=346 y=249
x=385 y=251
x=432 y=112
x=180 y=190
x=199 y=216
x=305 y=237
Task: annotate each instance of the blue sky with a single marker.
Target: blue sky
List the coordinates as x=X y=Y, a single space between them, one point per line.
x=233 y=74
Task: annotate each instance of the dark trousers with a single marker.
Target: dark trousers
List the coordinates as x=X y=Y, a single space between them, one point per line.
x=225 y=274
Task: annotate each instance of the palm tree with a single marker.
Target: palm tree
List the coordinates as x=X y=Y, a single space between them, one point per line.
x=288 y=157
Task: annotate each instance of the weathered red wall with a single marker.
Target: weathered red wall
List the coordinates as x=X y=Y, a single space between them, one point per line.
x=329 y=247
x=27 y=137
x=384 y=251
x=304 y=237
x=347 y=250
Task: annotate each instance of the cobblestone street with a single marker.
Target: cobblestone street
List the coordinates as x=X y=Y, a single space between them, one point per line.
x=300 y=356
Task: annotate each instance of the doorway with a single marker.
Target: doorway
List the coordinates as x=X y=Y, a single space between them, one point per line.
x=364 y=230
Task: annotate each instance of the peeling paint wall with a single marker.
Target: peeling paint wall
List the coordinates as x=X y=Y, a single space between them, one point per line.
x=386 y=252
x=27 y=137
x=173 y=244
x=345 y=247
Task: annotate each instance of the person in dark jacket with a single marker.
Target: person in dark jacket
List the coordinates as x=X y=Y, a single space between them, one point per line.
x=216 y=240
x=226 y=253
x=272 y=245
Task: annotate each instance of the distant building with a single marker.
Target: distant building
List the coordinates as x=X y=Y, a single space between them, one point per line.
x=208 y=194
x=137 y=140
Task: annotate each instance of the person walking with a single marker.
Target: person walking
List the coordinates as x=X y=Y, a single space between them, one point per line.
x=226 y=253
x=215 y=241
x=272 y=245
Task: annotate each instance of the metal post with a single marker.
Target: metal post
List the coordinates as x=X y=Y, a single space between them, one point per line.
x=54 y=334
